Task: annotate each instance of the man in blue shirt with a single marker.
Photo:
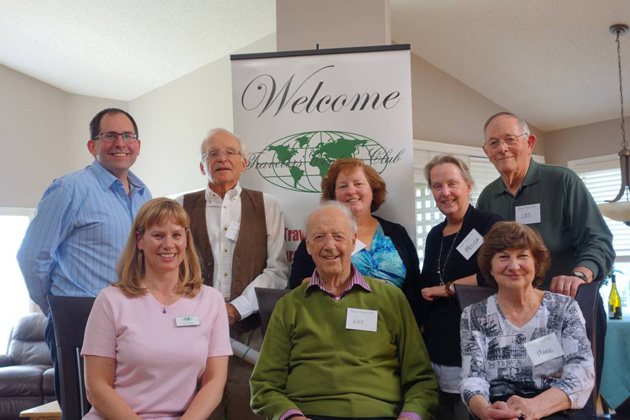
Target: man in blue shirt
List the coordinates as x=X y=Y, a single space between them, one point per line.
x=83 y=220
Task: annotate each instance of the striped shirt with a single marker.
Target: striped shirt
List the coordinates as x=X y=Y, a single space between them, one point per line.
x=356 y=279
x=82 y=225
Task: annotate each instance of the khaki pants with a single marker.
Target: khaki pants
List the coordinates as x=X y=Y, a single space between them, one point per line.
x=235 y=405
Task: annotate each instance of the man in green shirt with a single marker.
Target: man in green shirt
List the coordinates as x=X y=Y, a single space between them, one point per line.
x=553 y=200
x=342 y=346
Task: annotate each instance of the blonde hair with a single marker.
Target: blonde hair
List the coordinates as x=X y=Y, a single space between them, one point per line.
x=131 y=269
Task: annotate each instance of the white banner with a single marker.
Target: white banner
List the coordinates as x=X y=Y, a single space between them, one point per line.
x=297 y=114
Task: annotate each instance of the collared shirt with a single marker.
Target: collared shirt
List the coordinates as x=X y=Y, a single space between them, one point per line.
x=571 y=225
x=223 y=218
x=356 y=279
x=81 y=227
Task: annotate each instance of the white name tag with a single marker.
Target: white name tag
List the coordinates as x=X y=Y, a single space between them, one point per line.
x=528 y=214
x=361 y=319
x=358 y=246
x=470 y=244
x=187 y=321
x=543 y=349
x=232 y=232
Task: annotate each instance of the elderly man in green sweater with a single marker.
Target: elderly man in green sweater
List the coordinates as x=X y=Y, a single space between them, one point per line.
x=342 y=346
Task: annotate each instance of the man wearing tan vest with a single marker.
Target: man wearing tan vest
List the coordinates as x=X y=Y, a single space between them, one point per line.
x=239 y=236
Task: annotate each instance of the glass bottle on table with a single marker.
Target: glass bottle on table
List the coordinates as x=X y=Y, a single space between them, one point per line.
x=614 y=301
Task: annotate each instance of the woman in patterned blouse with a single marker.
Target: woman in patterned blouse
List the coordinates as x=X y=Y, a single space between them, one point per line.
x=525 y=353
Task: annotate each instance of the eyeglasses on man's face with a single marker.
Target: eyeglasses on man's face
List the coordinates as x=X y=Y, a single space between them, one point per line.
x=494 y=144
x=212 y=154
x=112 y=136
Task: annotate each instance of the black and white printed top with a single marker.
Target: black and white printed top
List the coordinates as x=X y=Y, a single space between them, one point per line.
x=495 y=361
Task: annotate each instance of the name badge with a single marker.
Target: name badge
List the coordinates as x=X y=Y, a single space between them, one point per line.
x=543 y=349
x=361 y=319
x=358 y=246
x=187 y=321
x=232 y=232
x=528 y=214
x=470 y=244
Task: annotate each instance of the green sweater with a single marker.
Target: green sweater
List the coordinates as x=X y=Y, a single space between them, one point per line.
x=309 y=361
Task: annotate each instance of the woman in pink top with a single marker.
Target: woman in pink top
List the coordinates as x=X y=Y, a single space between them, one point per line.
x=157 y=341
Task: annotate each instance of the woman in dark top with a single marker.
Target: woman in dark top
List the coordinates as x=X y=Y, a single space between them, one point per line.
x=450 y=257
x=384 y=250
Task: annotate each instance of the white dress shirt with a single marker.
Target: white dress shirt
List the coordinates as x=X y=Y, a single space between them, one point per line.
x=222 y=217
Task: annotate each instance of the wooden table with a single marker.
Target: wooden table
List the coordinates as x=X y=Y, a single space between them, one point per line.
x=50 y=411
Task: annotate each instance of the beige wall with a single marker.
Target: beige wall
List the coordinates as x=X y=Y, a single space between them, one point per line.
x=174 y=119
x=302 y=24
x=81 y=110
x=43 y=131
x=597 y=139
x=447 y=111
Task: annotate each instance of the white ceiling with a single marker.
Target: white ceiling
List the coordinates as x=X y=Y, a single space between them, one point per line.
x=121 y=49
x=552 y=61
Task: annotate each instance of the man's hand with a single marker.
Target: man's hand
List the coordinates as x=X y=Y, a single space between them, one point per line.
x=565 y=285
x=232 y=313
x=568 y=285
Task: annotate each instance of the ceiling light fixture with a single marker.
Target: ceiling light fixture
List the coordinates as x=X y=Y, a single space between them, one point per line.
x=615 y=209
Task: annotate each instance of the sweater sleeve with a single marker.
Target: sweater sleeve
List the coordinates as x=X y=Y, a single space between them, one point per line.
x=591 y=238
x=419 y=383
x=269 y=378
x=302 y=266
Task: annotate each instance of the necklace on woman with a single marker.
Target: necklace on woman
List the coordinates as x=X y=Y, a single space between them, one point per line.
x=168 y=299
x=441 y=269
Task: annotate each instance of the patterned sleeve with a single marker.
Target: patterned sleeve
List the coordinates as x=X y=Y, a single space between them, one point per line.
x=474 y=381
x=578 y=374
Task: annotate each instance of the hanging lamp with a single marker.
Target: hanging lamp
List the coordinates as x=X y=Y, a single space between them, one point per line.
x=618 y=209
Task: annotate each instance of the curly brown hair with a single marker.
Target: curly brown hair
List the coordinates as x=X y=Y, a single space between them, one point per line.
x=513 y=235
x=348 y=166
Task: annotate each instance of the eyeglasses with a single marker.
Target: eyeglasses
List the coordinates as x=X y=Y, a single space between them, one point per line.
x=212 y=154
x=494 y=144
x=112 y=136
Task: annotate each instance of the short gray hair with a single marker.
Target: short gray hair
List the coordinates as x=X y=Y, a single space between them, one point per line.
x=441 y=160
x=521 y=121
x=216 y=131
x=336 y=204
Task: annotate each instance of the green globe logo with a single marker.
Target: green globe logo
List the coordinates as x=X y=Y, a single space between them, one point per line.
x=299 y=162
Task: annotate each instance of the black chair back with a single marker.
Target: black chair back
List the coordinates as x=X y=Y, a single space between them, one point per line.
x=267 y=299
x=70 y=315
x=587 y=296
x=467 y=295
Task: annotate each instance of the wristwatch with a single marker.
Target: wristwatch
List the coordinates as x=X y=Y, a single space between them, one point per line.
x=450 y=289
x=580 y=275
